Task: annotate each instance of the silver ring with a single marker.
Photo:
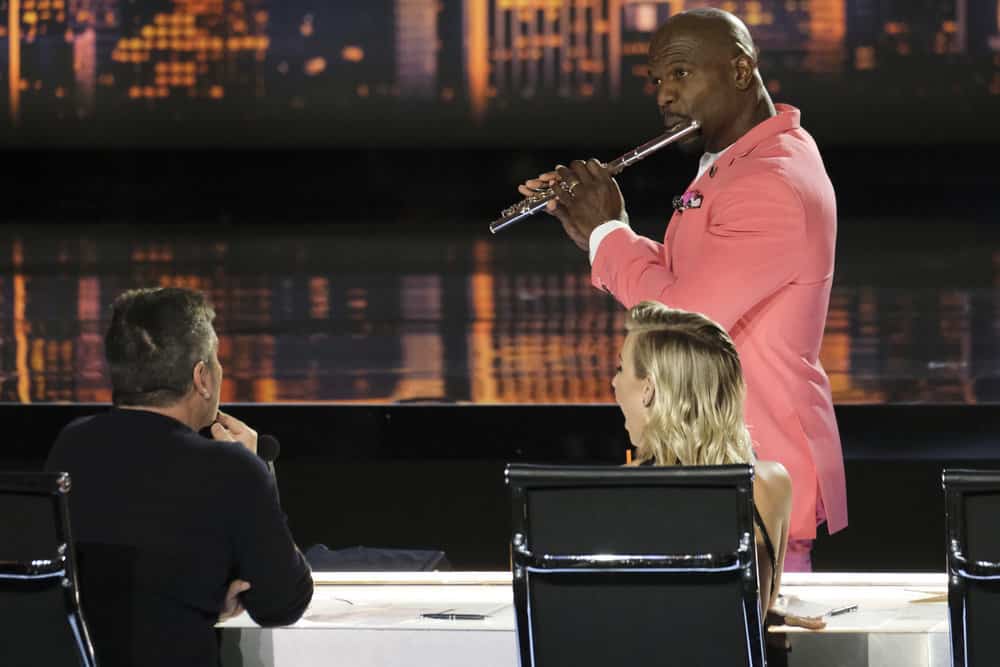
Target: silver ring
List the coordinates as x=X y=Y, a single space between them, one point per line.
x=567 y=186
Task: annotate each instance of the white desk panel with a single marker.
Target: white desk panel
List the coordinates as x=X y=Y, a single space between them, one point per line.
x=374 y=619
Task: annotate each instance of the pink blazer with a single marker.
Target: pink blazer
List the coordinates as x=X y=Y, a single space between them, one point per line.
x=757 y=257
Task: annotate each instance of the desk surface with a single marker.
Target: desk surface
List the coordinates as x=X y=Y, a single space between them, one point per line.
x=889 y=602
x=886 y=603
x=396 y=601
x=371 y=619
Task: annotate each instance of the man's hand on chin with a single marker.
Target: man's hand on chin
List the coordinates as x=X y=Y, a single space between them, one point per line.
x=227 y=427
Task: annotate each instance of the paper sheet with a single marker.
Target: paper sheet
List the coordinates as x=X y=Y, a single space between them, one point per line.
x=795 y=606
x=344 y=611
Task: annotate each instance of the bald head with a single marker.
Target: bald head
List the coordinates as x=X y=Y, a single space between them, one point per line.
x=716 y=32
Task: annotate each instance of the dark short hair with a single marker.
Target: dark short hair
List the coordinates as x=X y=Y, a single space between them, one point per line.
x=155 y=339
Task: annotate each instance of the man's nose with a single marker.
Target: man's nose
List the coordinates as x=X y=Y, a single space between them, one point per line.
x=665 y=96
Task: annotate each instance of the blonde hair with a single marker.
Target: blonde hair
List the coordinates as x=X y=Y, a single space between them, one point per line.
x=696 y=415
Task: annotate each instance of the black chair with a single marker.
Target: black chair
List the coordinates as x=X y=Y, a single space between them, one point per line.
x=40 y=617
x=635 y=566
x=972 y=519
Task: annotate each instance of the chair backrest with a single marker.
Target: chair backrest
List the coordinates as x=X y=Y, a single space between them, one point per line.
x=972 y=520
x=39 y=605
x=635 y=566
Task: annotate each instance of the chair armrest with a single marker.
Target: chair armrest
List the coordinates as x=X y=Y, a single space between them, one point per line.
x=35 y=570
x=980 y=570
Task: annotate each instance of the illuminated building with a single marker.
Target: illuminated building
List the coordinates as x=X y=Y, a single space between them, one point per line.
x=864 y=18
x=85 y=70
x=797 y=35
x=580 y=49
x=336 y=59
x=827 y=30
x=38 y=58
x=454 y=41
x=519 y=353
x=639 y=21
x=71 y=61
x=930 y=28
x=416 y=47
x=94 y=25
x=207 y=49
x=792 y=35
x=568 y=48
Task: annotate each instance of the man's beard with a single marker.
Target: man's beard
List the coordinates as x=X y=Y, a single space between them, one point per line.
x=694 y=145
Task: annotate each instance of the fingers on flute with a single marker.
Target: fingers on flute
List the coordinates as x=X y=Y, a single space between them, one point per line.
x=543 y=181
x=579 y=170
x=562 y=197
x=565 y=174
x=533 y=185
x=595 y=168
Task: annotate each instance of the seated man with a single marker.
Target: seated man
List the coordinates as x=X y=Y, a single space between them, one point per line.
x=174 y=531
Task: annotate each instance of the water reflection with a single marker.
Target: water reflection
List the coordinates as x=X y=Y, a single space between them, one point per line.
x=306 y=318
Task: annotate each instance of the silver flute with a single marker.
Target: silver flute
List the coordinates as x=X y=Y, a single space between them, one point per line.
x=536 y=202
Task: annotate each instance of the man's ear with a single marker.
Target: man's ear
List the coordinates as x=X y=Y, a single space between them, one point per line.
x=201 y=377
x=744 y=67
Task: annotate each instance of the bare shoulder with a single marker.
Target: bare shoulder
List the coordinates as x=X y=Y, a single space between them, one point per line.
x=772 y=484
x=772 y=472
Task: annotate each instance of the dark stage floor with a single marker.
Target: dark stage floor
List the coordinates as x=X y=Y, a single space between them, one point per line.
x=395 y=312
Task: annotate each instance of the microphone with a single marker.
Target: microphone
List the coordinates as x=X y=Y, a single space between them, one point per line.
x=268 y=449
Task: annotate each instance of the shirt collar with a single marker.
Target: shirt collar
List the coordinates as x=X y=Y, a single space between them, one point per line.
x=786 y=119
x=708 y=159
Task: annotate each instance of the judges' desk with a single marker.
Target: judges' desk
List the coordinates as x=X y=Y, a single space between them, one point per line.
x=365 y=619
x=901 y=619
x=368 y=619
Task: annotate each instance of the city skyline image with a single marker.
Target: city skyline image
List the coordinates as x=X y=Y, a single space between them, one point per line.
x=257 y=71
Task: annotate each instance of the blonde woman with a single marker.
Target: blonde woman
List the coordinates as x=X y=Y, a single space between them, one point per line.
x=680 y=386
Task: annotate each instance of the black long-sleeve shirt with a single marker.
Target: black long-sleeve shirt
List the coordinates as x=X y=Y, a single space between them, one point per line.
x=163 y=519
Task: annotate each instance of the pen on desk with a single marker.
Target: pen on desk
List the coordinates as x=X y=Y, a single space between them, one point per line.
x=455 y=617
x=843 y=610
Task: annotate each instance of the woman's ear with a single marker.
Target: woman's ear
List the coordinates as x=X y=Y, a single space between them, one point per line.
x=648 y=392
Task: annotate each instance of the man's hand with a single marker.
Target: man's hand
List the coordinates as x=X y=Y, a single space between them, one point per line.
x=227 y=427
x=586 y=197
x=232 y=606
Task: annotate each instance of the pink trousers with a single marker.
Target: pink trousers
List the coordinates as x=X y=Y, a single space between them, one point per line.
x=798 y=557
